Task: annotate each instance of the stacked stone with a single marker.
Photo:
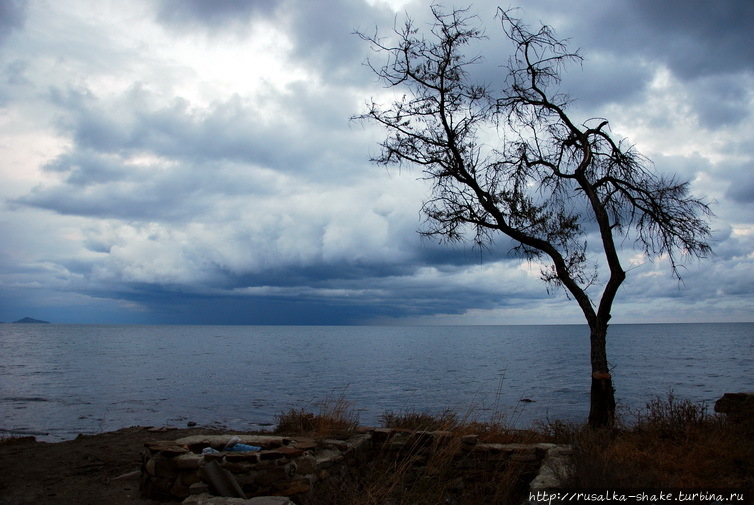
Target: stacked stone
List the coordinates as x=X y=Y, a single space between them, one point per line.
x=284 y=466
x=293 y=467
x=466 y=451
x=168 y=470
x=469 y=458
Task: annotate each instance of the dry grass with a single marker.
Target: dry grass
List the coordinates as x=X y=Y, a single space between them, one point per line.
x=423 y=470
x=669 y=444
x=420 y=474
x=334 y=419
x=420 y=421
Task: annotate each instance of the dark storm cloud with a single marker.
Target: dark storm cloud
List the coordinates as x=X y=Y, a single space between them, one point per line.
x=742 y=193
x=728 y=246
x=164 y=200
x=707 y=44
x=171 y=308
x=717 y=100
x=694 y=38
x=741 y=189
x=215 y=15
x=12 y=17
x=355 y=274
x=623 y=42
x=590 y=85
x=175 y=179
x=685 y=167
x=698 y=38
x=324 y=36
x=312 y=301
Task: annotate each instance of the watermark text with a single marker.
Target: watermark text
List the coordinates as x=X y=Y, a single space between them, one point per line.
x=649 y=496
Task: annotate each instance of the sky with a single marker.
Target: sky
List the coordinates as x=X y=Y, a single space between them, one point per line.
x=194 y=162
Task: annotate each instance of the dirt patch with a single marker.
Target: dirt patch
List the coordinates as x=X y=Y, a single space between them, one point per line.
x=90 y=470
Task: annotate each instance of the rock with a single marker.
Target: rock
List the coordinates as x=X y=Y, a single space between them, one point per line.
x=188 y=461
x=206 y=499
x=199 y=488
x=264 y=441
x=290 y=467
x=305 y=444
x=736 y=405
x=271 y=476
x=270 y=500
x=291 y=452
x=166 y=448
x=306 y=464
x=382 y=435
x=332 y=443
x=328 y=458
x=270 y=455
x=126 y=476
x=555 y=469
x=294 y=487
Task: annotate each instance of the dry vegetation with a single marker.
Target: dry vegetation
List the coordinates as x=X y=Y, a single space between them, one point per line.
x=334 y=419
x=668 y=444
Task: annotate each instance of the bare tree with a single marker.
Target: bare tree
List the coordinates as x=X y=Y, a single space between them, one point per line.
x=568 y=194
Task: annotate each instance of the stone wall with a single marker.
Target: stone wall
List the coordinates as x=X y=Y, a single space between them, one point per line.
x=294 y=466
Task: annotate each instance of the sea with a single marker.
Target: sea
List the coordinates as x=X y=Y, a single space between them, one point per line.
x=59 y=381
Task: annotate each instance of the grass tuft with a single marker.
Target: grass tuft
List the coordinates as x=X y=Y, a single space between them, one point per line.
x=335 y=419
x=419 y=421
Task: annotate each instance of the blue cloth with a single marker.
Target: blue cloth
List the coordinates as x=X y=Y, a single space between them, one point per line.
x=243 y=448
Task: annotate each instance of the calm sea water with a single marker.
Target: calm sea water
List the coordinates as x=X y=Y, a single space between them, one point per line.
x=57 y=381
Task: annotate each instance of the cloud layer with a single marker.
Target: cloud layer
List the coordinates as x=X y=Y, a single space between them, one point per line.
x=194 y=162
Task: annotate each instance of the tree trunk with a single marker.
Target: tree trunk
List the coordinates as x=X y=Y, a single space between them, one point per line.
x=602 y=407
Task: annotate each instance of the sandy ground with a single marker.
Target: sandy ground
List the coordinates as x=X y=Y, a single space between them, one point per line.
x=92 y=469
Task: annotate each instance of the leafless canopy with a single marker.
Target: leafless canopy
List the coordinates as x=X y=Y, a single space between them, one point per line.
x=507 y=158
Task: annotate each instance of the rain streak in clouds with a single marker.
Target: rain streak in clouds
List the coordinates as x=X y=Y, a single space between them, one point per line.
x=183 y=161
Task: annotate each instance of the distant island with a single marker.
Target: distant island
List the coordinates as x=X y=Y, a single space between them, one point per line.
x=30 y=320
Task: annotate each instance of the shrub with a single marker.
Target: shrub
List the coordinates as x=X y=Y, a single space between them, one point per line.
x=671 y=444
x=674 y=418
x=335 y=418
